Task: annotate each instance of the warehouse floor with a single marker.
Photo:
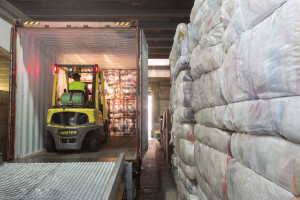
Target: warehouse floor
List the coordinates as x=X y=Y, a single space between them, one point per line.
x=150 y=183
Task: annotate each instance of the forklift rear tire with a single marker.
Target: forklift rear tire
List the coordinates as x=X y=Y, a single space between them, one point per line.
x=49 y=143
x=94 y=142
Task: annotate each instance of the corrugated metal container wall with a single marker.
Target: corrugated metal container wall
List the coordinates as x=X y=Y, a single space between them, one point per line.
x=34 y=81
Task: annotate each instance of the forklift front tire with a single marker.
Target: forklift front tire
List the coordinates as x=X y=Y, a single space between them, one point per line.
x=49 y=143
x=94 y=142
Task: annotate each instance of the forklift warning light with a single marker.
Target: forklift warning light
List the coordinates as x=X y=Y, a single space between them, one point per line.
x=55 y=69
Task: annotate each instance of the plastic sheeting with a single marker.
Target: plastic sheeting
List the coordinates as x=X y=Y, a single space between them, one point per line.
x=212 y=166
x=207 y=17
x=186 y=131
x=212 y=117
x=186 y=152
x=183 y=194
x=206 y=91
x=243 y=183
x=184 y=115
x=183 y=76
x=228 y=8
x=189 y=171
x=257 y=66
x=247 y=15
x=266 y=117
x=215 y=138
x=183 y=94
x=207 y=60
x=197 y=4
x=190 y=185
x=183 y=63
x=214 y=37
x=180 y=42
x=272 y=157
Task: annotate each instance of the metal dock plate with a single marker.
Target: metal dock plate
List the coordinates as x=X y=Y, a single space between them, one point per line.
x=81 y=180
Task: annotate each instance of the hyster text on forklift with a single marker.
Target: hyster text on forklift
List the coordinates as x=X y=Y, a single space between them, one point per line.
x=79 y=130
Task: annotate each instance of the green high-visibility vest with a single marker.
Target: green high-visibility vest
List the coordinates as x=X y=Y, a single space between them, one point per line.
x=77 y=86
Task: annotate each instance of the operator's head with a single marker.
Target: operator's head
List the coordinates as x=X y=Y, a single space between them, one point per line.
x=76 y=77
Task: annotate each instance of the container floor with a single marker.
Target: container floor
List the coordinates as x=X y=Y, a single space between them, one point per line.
x=107 y=152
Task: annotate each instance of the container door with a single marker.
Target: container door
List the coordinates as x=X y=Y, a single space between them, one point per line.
x=143 y=93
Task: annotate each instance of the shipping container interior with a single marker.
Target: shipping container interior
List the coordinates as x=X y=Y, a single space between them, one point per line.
x=38 y=49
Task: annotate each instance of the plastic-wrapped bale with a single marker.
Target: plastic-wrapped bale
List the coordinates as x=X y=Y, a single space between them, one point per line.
x=207 y=17
x=272 y=157
x=189 y=171
x=184 y=115
x=190 y=185
x=183 y=94
x=173 y=100
x=186 y=152
x=186 y=131
x=227 y=9
x=183 y=76
x=174 y=161
x=213 y=137
x=279 y=116
x=197 y=4
x=206 y=60
x=214 y=37
x=206 y=91
x=212 y=167
x=201 y=194
x=183 y=63
x=258 y=67
x=247 y=15
x=205 y=188
x=179 y=47
x=183 y=194
x=243 y=183
x=212 y=117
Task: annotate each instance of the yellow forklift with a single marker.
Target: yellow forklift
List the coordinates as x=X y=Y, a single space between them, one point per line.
x=77 y=119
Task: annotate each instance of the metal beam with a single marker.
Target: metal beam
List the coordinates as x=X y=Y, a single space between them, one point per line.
x=165 y=37
x=158 y=26
x=166 y=67
x=8 y=12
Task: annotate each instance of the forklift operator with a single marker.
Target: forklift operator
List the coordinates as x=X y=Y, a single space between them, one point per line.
x=76 y=85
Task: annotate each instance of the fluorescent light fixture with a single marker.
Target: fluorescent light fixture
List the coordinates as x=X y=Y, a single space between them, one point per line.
x=158 y=62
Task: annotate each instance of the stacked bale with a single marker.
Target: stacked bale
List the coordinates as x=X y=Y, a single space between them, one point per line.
x=211 y=148
x=260 y=81
x=182 y=132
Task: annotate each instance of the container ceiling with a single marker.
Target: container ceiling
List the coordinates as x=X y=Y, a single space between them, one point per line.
x=109 y=48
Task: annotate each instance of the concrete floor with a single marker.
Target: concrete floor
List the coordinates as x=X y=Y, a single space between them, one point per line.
x=150 y=183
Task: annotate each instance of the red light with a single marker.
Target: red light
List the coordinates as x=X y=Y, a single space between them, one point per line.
x=55 y=69
x=96 y=68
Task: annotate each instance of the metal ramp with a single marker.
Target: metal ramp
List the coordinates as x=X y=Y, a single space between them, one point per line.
x=69 y=180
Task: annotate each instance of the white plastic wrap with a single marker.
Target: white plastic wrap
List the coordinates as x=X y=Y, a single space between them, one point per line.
x=212 y=166
x=186 y=152
x=192 y=43
x=206 y=60
x=257 y=66
x=180 y=42
x=197 y=4
x=207 y=17
x=214 y=37
x=190 y=185
x=278 y=116
x=183 y=63
x=175 y=173
x=174 y=160
x=184 y=115
x=272 y=157
x=247 y=15
x=206 y=91
x=228 y=7
x=183 y=76
x=183 y=94
x=213 y=137
x=201 y=194
x=205 y=188
x=186 y=131
x=183 y=194
x=212 y=117
x=189 y=171
x=243 y=183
